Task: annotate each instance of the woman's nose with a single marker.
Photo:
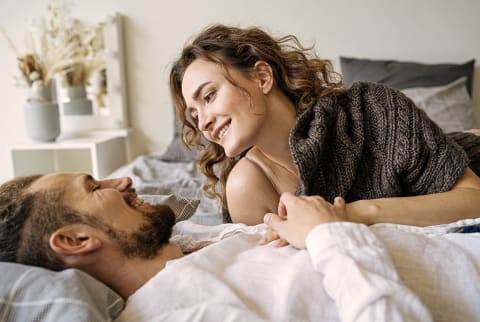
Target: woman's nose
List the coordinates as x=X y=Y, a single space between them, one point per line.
x=121 y=184
x=205 y=121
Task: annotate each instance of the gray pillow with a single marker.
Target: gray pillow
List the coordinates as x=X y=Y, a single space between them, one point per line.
x=184 y=208
x=449 y=106
x=36 y=294
x=176 y=150
x=400 y=75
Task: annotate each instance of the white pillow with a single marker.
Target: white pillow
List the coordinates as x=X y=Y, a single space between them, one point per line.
x=449 y=106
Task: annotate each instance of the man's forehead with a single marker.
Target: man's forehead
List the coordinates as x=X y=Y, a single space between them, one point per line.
x=55 y=181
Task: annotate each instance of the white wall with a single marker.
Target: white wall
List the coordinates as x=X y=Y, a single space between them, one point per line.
x=428 y=31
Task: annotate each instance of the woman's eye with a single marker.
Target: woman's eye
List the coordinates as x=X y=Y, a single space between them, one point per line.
x=209 y=96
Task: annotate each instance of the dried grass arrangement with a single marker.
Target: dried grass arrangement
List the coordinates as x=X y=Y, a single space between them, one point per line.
x=58 y=45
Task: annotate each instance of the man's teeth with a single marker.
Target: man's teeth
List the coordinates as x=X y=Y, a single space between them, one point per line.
x=137 y=202
x=222 y=131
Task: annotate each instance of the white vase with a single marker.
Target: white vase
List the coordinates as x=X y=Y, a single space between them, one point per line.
x=76 y=101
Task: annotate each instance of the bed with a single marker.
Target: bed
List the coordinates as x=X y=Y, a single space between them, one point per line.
x=171 y=177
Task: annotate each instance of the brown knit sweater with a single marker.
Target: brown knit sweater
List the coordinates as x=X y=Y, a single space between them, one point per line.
x=373 y=142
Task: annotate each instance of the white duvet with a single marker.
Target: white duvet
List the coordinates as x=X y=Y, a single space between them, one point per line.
x=215 y=283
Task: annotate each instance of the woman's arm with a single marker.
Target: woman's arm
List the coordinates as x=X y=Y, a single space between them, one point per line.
x=431 y=169
x=462 y=201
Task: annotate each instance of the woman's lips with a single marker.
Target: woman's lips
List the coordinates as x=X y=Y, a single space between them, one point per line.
x=219 y=132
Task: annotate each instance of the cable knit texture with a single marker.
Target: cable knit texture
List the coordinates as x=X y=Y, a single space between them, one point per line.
x=373 y=142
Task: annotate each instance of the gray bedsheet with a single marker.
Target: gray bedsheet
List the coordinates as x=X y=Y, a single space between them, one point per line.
x=152 y=176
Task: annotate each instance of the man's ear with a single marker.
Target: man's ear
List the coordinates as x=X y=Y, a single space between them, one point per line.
x=264 y=75
x=74 y=240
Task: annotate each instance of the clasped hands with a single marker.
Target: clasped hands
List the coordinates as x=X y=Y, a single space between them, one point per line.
x=297 y=216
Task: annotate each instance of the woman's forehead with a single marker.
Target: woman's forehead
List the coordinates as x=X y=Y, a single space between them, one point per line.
x=198 y=72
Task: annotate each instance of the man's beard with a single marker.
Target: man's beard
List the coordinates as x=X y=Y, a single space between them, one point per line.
x=148 y=240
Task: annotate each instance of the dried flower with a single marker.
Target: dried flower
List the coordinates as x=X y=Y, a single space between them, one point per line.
x=59 y=44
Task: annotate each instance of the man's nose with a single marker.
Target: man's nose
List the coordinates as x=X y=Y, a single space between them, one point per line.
x=121 y=184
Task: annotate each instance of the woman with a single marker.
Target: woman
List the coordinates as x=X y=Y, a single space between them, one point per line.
x=278 y=120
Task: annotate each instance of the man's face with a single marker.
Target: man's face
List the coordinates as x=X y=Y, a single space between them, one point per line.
x=138 y=228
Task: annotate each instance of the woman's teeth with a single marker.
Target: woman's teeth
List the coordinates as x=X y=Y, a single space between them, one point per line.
x=222 y=131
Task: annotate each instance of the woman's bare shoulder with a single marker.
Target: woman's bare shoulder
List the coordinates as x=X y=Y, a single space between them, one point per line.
x=250 y=194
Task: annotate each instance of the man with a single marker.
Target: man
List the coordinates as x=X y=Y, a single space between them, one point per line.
x=101 y=227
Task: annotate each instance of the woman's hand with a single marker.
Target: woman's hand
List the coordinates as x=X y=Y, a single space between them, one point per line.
x=297 y=216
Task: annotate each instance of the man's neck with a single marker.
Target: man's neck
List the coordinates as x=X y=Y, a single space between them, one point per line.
x=133 y=273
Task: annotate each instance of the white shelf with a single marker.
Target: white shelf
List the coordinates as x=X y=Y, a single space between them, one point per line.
x=98 y=153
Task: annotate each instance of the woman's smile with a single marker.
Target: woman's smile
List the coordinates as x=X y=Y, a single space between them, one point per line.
x=220 y=132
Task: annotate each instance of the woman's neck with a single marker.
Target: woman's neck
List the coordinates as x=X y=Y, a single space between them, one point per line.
x=273 y=140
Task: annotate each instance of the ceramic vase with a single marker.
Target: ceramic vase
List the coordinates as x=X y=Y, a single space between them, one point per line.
x=42 y=120
x=76 y=101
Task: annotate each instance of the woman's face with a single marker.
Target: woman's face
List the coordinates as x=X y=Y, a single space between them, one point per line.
x=227 y=114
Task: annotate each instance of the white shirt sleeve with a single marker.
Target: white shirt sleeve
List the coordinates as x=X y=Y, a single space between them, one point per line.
x=360 y=276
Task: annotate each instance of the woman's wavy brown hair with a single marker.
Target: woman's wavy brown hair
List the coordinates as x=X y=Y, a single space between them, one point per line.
x=297 y=71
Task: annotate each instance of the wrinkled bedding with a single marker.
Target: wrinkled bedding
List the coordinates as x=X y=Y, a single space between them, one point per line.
x=152 y=176
x=441 y=266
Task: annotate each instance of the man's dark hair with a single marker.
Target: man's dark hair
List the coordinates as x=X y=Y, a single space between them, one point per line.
x=14 y=211
x=27 y=221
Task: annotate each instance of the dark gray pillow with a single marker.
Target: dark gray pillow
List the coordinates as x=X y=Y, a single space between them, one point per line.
x=401 y=75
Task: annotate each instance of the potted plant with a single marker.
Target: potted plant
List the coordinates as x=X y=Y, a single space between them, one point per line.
x=59 y=47
x=36 y=73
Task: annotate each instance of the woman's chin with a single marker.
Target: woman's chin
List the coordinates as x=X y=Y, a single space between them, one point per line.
x=230 y=152
x=233 y=152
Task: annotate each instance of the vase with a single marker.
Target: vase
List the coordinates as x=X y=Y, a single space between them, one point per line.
x=76 y=101
x=42 y=120
x=42 y=92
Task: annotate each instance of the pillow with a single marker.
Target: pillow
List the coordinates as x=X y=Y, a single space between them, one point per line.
x=184 y=208
x=400 y=75
x=176 y=150
x=36 y=294
x=449 y=106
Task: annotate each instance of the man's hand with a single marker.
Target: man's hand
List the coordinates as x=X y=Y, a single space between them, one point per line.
x=297 y=216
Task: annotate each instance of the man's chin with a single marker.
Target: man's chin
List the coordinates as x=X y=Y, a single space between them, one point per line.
x=150 y=238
